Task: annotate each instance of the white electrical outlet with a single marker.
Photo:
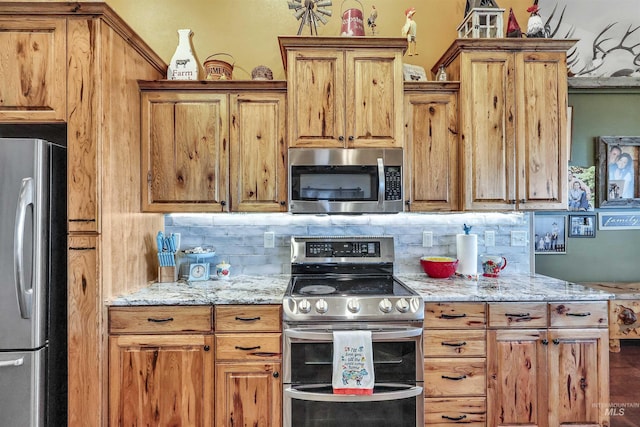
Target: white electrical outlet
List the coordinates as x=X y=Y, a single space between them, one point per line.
x=489 y=238
x=427 y=239
x=269 y=239
x=518 y=238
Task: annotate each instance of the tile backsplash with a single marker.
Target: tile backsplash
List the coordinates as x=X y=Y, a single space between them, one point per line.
x=239 y=237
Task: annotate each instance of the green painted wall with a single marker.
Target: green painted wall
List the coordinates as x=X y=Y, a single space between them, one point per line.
x=611 y=255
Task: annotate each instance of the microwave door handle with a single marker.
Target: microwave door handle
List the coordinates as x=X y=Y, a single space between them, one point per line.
x=25 y=198
x=376 y=397
x=380 y=183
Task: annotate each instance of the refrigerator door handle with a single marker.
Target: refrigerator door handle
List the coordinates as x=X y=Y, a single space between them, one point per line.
x=9 y=363
x=25 y=198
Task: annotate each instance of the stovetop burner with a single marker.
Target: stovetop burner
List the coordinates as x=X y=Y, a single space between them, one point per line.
x=317 y=290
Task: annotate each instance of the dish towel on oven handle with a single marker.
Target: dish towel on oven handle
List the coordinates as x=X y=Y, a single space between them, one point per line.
x=352 y=363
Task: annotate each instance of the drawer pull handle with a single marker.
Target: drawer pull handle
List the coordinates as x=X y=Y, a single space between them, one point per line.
x=247 y=319
x=517 y=314
x=452 y=316
x=579 y=314
x=461 y=377
x=166 y=319
x=264 y=354
x=454 y=344
x=458 y=418
x=247 y=348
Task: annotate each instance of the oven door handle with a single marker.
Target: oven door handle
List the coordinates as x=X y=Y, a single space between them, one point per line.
x=302 y=334
x=376 y=397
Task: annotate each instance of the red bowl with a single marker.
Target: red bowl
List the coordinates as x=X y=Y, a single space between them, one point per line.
x=439 y=267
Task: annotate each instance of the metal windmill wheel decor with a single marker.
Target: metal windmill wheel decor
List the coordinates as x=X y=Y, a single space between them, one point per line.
x=310 y=12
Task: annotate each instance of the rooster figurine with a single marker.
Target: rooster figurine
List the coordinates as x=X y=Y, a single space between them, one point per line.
x=371 y=21
x=535 y=27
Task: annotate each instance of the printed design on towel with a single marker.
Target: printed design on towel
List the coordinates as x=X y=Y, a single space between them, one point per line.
x=352 y=360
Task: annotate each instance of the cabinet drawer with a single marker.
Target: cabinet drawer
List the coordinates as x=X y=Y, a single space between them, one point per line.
x=159 y=319
x=624 y=319
x=518 y=315
x=455 y=343
x=248 y=318
x=455 y=315
x=248 y=346
x=445 y=412
x=579 y=314
x=454 y=377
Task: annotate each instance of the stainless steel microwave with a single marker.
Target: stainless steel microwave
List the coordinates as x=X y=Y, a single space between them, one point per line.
x=345 y=180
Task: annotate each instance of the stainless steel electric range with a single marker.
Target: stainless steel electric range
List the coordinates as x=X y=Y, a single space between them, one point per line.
x=347 y=283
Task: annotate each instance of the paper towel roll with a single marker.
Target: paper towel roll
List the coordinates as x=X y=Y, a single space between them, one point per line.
x=467 y=252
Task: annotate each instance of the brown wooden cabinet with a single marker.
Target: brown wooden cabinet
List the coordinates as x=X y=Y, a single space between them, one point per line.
x=512 y=121
x=248 y=364
x=213 y=146
x=548 y=369
x=344 y=91
x=431 y=146
x=159 y=356
x=74 y=66
x=33 y=61
x=455 y=364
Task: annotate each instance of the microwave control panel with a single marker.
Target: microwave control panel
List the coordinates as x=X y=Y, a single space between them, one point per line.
x=393 y=183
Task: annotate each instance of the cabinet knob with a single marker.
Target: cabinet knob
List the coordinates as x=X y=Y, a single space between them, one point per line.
x=283 y=203
x=523 y=201
x=341 y=138
x=351 y=138
x=556 y=341
x=545 y=342
x=276 y=374
x=207 y=348
x=223 y=203
x=408 y=202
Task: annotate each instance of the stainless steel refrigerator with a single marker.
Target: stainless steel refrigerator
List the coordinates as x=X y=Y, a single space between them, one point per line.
x=33 y=283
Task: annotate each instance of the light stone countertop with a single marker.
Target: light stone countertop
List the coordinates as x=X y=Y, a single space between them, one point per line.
x=270 y=290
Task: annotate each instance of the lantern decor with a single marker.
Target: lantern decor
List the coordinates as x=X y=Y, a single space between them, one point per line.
x=482 y=19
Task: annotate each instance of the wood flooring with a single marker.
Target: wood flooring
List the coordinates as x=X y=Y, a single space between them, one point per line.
x=624 y=385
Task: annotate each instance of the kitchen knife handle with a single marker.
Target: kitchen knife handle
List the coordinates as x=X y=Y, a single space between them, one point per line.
x=25 y=198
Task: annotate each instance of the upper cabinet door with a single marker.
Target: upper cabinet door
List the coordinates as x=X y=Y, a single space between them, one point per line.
x=541 y=130
x=374 y=98
x=431 y=150
x=487 y=124
x=185 y=152
x=258 y=156
x=316 y=99
x=33 y=69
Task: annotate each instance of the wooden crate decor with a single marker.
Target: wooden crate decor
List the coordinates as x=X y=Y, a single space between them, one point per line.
x=482 y=19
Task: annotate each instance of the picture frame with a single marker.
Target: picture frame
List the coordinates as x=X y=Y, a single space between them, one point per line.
x=550 y=234
x=617 y=177
x=618 y=221
x=582 y=226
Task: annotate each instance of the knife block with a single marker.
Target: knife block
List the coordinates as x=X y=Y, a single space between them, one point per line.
x=167 y=274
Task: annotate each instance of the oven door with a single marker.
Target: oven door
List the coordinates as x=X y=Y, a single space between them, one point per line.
x=308 y=399
x=315 y=405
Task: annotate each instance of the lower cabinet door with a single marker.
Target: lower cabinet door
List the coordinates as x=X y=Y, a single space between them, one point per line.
x=248 y=394
x=161 y=380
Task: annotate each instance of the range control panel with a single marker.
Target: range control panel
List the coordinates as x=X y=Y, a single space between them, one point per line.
x=342 y=249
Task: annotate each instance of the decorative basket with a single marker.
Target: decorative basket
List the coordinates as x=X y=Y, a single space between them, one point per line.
x=217 y=69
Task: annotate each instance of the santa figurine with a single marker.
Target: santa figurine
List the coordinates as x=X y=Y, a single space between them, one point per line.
x=535 y=27
x=409 y=30
x=513 y=29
